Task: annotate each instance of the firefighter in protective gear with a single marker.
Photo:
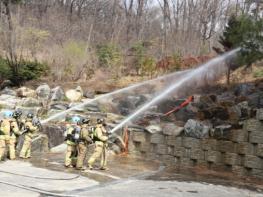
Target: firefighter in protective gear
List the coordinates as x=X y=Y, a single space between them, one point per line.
x=30 y=131
x=72 y=137
x=83 y=143
x=100 y=137
x=17 y=116
x=8 y=132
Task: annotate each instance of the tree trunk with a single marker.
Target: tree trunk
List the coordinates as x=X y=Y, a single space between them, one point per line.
x=11 y=35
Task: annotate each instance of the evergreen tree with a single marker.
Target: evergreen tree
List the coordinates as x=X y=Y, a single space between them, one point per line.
x=245 y=32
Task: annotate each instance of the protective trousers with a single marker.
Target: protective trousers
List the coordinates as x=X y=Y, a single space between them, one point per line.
x=71 y=149
x=26 y=149
x=12 y=148
x=100 y=151
x=4 y=141
x=82 y=151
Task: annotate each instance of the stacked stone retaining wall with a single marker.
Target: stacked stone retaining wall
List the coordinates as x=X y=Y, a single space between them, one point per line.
x=238 y=151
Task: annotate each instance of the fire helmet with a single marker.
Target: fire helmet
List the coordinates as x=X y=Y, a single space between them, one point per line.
x=100 y=120
x=85 y=121
x=76 y=119
x=8 y=114
x=30 y=115
x=17 y=113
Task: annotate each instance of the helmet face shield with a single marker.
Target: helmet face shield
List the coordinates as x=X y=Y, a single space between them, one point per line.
x=30 y=116
x=85 y=121
x=17 y=113
x=100 y=121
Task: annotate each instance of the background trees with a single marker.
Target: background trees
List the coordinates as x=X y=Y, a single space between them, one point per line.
x=47 y=30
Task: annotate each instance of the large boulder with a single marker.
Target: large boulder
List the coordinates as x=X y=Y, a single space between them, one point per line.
x=8 y=101
x=126 y=105
x=43 y=91
x=172 y=129
x=26 y=92
x=57 y=94
x=89 y=94
x=40 y=144
x=154 y=129
x=54 y=134
x=74 y=95
x=30 y=102
x=196 y=129
x=6 y=83
x=59 y=105
x=255 y=100
x=53 y=112
x=244 y=89
x=8 y=91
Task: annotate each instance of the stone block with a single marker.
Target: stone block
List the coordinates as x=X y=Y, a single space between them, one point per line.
x=256 y=137
x=139 y=137
x=221 y=132
x=253 y=125
x=213 y=156
x=259 y=150
x=259 y=114
x=168 y=159
x=189 y=142
x=174 y=141
x=145 y=147
x=239 y=170
x=186 y=162
x=170 y=150
x=179 y=152
x=256 y=173
x=202 y=163
x=197 y=154
x=245 y=148
x=209 y=144
x=157 y=139
x=162 y=149
x=151 y=156
x=226 y=146
x=232 y=159
x=252 y=161
x=239 y=135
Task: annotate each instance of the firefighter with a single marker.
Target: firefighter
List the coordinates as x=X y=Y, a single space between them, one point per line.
x=100 y=138
x=8 y=132
x=83 y=143
x=17 y=116
x=30 y=130
x=72 y=137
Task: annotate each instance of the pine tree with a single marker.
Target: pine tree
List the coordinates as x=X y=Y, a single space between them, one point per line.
x=245 y=32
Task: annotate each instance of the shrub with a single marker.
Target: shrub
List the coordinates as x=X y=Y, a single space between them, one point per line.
x=139 y=52
x=22 y=71
x=109 y=55
x=258 y=73
x=148 y=66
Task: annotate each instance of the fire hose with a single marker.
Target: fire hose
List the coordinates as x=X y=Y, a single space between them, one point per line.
x=36 y=190
x=176 y=109
x=39 y=177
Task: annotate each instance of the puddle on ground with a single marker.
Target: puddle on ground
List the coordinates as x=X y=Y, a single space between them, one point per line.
x=209 y=177
x=123 y=167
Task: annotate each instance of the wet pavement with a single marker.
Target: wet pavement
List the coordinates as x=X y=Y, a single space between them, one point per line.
x=45 y=175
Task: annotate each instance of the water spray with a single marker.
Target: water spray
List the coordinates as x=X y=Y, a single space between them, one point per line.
x=57 y=115
x=209 y=70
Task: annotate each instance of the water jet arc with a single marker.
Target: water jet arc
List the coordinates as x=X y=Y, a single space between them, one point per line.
x=203 y=69
x=57 y=115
